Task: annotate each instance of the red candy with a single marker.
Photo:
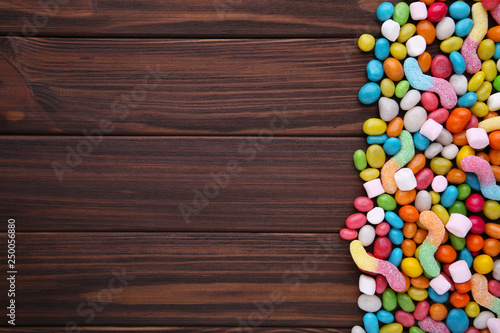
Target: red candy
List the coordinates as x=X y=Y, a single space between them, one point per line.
x=356 y=221
x=382 y=229
x=441 y=67
x=473 y=121
x=440 y=115
x=380 y=284
x=436 y=12
x=421 y=310
x=363 y=204
x=478 y=225
x=475 y=203
x=348 y=234
x=424 y=178
x=404 y=318
x=494 y=287
x=429 y=101
x=382 y=248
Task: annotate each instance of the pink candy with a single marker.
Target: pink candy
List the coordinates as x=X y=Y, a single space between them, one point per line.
x=475 y=203
x=431 y=129
x=431 y=326
x=459 y=225
x=477 y=138
x=374 y=188
x=440 y=284
x=404 y=318
x=460 y=271
x=421 y=310
x=363 y=204
x=355 y=221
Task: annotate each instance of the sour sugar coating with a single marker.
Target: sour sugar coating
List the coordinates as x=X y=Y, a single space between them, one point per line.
x=431 y=243
x=420 y=81
x=481 y=294
x=370 y=264
x=495 y=13
x=482 y=169
x=476 y=35
x=403 y=157
x=490 y=125
x=431 y=326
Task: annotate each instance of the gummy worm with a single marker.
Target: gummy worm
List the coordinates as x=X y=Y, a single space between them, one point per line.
x=482 y=169
x=430 y=325
x=398 y=161
x=481 y=294
x=476 y=35
x=420 y=81
x=490 y=125
x=431 y=243
x=370 y=264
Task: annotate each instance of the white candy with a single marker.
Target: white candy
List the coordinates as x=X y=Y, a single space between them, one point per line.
x=433 y=150
x=367 y=284
x=494 y=325
x=410 y=100
x=440 y=284
x=445 y=137
x=498 y=65
x=374 y=188
x=481 y=321
x=477 y=138
x=388 y=109
x=450 y=151
x=445 y=28
x=376 y=215
x=423 y=201
x=366 y=235
x=357 y=329
x=494 y=102
x=460 y=271
x=439 y=184
x=431 y=129
x=369 y=303
x=405 y=179
x=459 y=225
x=496 y=270
x=418 y=11
x=459 y=84
x=414 y=119
x=416 y=45
x=390 y=30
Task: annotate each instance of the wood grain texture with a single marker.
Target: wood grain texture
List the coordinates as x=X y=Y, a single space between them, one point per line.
x=192 y=18
x=103 y=329
x=138 y=183
x=182 y=87
x=191 y=279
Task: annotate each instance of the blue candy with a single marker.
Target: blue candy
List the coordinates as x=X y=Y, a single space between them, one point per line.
x=392 y=146
x=449 y=196
x=457 y=321
x=369 y=93
x=463 y=27
x=375 y=70
x=396 y=257
x=385 y=317
x=459 y=10
x=370 y=322
x=396 y=236
x=473 y=181
x=376 y=139
x=394 y=220
x=385 y=11
x=421 y=142
x=467 y=100
x=382 y=49
x=458 y=62
x=438 y=298
x=466 y=255
x=497 y=51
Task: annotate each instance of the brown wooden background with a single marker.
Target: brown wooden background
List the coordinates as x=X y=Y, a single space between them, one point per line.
x=225 y=69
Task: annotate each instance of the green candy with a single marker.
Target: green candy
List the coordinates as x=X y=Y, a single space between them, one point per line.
x=405 y=302
x=463 y=191
x=496 y=83
x=386 y=202
x=402 y=88
x=401 y=13
x=359 y=158
x=415 y=329
x=389 y=300
x=458 y=243
x=458 y=207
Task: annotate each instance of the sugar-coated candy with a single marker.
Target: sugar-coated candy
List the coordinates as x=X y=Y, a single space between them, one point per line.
x=434 y=238
x=481 y=294
x=482 y=169
x=471 y=43
x=431 y=326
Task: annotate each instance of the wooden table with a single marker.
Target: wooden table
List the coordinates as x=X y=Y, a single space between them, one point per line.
x=181 y=166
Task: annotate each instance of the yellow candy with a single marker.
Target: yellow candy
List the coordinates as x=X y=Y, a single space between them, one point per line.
x=441 y=165
x=484 y=91
x=476 y=81
x=407 y=31
x=479 y=109
x=369 y=174
x=486 y=49
x=464 y=151
x=483 y=264
x=366 y=42
x=392 y=328
x=435 y=197
x=374 y=126
x=411 y=267
x=387 y=87
x=442 y=213
x=490 y=124
x=417 y=294
x=472 y=309
x=492 y=209
x=451 y=44
x=398 y=51
x=417 y=251
x=375 y=155
x=421 y=226
x=489 y=67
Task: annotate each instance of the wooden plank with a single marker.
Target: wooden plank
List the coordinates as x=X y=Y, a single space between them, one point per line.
x=198 y=329
x=192 y=279
x=193 y=18
x=138 y=183
x=182 y=87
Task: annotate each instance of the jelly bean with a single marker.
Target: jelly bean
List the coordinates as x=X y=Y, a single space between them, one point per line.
x=426 y=29
x=494 y=287
x=376 y=139
x=402 y=88
x=445 y=28
x=421 y=142
x=369 y=174
x=463 y=27
x=401 y=13
x=359 y=158
x=458 y=62
x=484 y=92
x=393 y=69
x=396 y=257
x=371 y=323
x=396 y=236
x=457 y=321
x=438 y=311
x=382 y=229
x=490 y=70
x=436 y=297
x=459 y=300
x=475 y=203
x=398 y=51
x=411 y=267
x=492 y=248
x=405 y=302
x=388 y=88
x=389 y=300
x=492 y=229
x=424 y=61
x=369 y=303
x=466 y=256
x=392 y=328
x=410 y=100
x=348 y=234
x=369 y=93
x=404 y=318
x=459 y=84
x=437 y=11
x=390 y=30
x=441 y=67
x=375 y=70
x=458 y=243
x=478 y=225
x=385 y=11
x=421 y=310
x=459 y=10
x=483 y=264
x=486 y=49
x=451 y=44
x=458 y=207
x=406 y=32
x=440 y=165
x=416 y=45
x=375 y=156
x=382 y=49
x=385 y=317
x=472 y=309
x=366 y=42
x=387 y=202
x=405 y=197
x=467 y=100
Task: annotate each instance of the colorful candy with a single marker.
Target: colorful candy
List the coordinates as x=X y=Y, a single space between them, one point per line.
x=471 y=43
x=482 y=169
x=431 y=243
x=398 y=161
x=481 y=294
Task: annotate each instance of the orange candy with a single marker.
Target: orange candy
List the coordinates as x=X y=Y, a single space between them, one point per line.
x=463 y=287
x=409 y=229
x=460 y=139
x=494 y=156
x=494 y=34
x=491 y=114
x=393 y=69
x=394 y=127
x=446 y=254
x=459 y=300
x=420 y=236
x=458 y=119
x=496 y=172
x=408 y=247
x=424 y=61
x=417 y=163
x=428 y=2
x=493 y=230
x=445 y=238
x=405 y=197
x=484 y=156
x=491 y=247
x=427 y=30
x=409 y=213
x=408 y=282
x=495 y=140
x=438 y=311
x=456 y=176
x=474 y=242
x=420 y=282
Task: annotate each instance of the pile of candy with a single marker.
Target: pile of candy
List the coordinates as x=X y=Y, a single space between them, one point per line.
x=430 y=216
